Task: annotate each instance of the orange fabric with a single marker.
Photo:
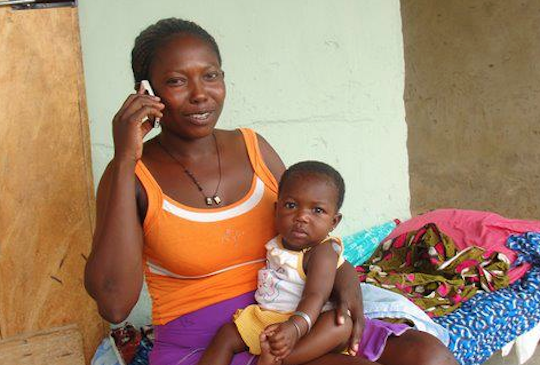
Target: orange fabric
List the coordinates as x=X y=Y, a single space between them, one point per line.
x=189 y=242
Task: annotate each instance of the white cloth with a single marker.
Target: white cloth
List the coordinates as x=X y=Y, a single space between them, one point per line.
x=281 y=283
x=525 y=345
x=106 y=354
x=383 y=303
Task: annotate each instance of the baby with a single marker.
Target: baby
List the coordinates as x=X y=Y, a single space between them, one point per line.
x=293 y=322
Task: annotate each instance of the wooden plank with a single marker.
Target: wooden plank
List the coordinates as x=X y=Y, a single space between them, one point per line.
x=60 y=346
x=47 y=209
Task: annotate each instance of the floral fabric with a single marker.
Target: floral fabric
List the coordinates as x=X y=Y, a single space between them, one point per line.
x=427 y=268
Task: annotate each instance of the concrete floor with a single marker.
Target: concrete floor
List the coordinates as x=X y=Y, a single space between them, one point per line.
x=511 y=359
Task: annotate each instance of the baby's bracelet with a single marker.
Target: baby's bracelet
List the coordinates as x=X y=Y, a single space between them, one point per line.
x=305 y=317
x=298 y=330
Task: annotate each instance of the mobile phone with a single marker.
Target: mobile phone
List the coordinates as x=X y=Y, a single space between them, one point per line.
x=146 y=85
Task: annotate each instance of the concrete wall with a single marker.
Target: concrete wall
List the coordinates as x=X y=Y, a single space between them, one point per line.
x=318 y=79
x=472 y=99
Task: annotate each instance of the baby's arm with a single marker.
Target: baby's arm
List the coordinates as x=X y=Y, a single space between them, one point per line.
x=320 y=270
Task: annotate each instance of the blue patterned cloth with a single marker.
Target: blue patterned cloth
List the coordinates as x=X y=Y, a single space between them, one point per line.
x=488 y=321
x=360 y=246
x=527 y=246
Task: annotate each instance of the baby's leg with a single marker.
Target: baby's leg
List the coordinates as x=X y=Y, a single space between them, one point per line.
x=224 y=345
x=325 y=337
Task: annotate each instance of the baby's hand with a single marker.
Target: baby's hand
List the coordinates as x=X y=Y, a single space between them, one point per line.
x=282 y=338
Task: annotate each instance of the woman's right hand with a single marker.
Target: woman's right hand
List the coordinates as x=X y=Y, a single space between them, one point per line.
x=131 y=124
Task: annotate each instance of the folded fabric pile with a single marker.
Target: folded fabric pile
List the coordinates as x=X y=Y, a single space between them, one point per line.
x=475 y=228
x=488 y=321
x=495 y=315
x=427 y=268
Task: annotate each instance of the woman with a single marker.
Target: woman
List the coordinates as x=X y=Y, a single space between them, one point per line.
x=194 y=207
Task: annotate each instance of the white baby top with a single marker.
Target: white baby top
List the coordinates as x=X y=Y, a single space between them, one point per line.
x=281 y=282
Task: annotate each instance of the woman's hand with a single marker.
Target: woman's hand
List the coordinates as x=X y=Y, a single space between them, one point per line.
x=282 y=337
x=132 y=123
x=348 y=299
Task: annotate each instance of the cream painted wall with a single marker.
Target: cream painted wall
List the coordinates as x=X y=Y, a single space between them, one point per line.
x=318 y=79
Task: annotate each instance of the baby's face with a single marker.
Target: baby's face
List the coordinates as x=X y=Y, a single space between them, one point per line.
x=306 y=210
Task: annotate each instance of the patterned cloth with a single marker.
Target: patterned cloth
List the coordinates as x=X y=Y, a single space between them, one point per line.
x=527 y=246
x=488 y=321
x=475 y=228
x=425 y=266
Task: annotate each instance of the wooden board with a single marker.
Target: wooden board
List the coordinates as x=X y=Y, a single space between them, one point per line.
x=46 y=192
x=60 y=346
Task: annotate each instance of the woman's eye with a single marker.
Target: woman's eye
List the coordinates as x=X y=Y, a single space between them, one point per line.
x=211 y=76
x=177 y=81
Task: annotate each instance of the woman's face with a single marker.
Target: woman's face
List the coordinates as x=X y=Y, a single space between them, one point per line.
x=185 y=73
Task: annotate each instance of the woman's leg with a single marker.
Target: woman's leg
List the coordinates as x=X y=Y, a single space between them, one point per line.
x=338 y=359
x=224 y=345
x=416 y=348
x=411 y=348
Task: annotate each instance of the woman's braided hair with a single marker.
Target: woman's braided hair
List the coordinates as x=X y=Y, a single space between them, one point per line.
x=150 y=39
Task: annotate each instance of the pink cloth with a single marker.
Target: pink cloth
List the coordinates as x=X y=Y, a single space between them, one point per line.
x=474 y=228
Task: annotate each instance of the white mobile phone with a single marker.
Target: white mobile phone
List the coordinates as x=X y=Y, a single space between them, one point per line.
x=146 y=85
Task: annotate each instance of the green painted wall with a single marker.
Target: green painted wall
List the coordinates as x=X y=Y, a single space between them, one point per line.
x=318 y=79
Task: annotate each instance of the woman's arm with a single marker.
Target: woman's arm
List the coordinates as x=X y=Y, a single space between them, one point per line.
x=348 y=297
x=114 y=274
x=114 y=270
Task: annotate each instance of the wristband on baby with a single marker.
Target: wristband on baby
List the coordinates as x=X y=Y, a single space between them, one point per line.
x=298 y=330
x=305 y=317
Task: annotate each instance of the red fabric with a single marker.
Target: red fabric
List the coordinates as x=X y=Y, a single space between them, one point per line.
x=474 y=228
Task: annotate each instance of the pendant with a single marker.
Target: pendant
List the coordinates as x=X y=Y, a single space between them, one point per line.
x=217 y=199
x=208 y=201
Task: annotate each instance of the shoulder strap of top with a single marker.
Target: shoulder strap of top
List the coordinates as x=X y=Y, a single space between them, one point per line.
x=337 y=245
x=257 y=161
x=153 y=193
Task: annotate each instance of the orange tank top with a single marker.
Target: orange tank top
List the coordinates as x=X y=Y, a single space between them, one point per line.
x=198 y=257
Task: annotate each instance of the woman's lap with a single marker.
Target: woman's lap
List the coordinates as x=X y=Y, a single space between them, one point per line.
x=416 y=348
x=183 y=340
x=184 y=356
x=375 y=336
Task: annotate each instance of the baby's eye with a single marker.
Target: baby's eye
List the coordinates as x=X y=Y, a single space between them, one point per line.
x=290 y=205
x=318 y=210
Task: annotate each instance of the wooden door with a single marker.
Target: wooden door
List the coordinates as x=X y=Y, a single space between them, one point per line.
x=46 y=192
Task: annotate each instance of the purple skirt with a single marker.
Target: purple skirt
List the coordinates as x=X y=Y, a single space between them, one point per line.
x=183 y=340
